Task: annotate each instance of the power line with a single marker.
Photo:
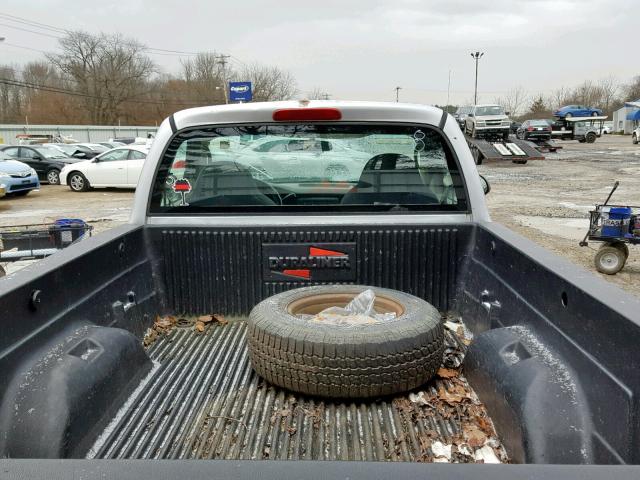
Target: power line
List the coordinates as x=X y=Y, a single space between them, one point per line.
x=44 y=26
x=32 y=23
x=52 y=89
x=30 y=31
x=20 y=46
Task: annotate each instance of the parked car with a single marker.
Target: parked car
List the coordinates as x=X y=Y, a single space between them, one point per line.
x=461 y=114
x=607 y=128
x=68 y=149
x=89 y=150
x=112 y=144
x=17 y=178
x=569 y=111
x=47 y=161
x=119 y=167
x=537 y=129
x=125 y=140
x=487 y=121
x=324 y=159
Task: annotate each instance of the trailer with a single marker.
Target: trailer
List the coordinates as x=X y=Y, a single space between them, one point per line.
x=32 y=242
x=545 y=146
x=518 y=151
x=583 y=129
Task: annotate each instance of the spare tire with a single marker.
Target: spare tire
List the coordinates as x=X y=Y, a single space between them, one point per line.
x=345 y=361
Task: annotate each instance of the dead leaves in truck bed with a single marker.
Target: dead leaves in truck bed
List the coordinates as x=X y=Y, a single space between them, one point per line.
x=165 y=325
x=161 y=326
x=204 y=320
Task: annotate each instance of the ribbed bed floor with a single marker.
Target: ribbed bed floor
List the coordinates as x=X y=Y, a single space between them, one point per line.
x=202 y=400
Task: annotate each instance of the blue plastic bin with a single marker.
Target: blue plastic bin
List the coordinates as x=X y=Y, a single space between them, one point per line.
x=616 y=223
x=68 y=230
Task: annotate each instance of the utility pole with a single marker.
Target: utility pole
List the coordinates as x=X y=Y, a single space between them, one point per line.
x=222 y=61
x=476 y=56
x=398 y=94
x=448 y=91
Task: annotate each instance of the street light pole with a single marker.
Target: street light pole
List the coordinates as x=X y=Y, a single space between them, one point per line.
x=476 y=56
x=398 y=94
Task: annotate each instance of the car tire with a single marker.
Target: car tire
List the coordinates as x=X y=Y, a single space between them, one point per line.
x=634 y=139
x=473 y=132
x=53 y=177
x=568 y=115
x=505 y=136
x=336 y=361
x=590 y=137
x=78 y=182
x=609 y=259
x=594 y=114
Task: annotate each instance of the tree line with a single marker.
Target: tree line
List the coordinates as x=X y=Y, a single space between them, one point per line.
x=109 y=79
x=608 y=94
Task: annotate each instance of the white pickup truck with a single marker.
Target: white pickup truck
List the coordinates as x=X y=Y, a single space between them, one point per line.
x=487 y=121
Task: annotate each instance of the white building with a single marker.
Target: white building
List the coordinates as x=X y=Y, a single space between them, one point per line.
x=626 y=118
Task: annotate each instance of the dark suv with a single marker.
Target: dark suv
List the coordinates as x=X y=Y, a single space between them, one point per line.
x=46 y=161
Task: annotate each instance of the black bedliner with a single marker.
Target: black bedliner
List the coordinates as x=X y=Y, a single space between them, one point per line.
x=203 y=401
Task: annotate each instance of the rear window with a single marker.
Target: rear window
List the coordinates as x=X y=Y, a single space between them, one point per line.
x=489 y=110
x=315 y=167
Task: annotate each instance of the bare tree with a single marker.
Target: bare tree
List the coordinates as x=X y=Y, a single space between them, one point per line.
x=317 y=94
x=513 y=101
x=11 y=96
x=107 y=70
x=560 y=97
x=205 y=78
x=609 y=90
x=632 y=90
x=268 y=83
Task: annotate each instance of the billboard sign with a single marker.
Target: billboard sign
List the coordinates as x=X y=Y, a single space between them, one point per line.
x=240 y=92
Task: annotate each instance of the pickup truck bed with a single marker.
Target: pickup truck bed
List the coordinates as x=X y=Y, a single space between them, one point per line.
x=551 y=376
x=202 y=400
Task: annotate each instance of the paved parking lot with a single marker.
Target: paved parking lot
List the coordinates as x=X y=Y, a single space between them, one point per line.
x=547 y=201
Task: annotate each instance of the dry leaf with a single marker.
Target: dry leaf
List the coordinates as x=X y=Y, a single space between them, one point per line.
x=447 y=372
x=205 y=318
x=218 y=317
x=150 y=336
x=485 y=425
x=200 y=327
x=450 y=398
x=475 y=437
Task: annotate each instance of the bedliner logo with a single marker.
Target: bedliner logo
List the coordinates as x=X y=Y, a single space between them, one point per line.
x=309 y=262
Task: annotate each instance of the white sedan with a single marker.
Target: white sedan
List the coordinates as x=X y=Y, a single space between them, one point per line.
x=119 y=167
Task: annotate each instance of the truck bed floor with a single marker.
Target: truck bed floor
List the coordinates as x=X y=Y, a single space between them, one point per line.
x=202 y=400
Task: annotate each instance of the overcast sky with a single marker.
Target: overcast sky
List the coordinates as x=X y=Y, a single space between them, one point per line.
x=363 y=49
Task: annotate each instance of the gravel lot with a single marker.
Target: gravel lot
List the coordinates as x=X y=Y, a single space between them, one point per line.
x=547 y=201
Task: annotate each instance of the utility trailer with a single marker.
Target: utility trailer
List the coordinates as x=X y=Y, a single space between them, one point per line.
x=518 y=151
x=545 y=146
x=583 y=129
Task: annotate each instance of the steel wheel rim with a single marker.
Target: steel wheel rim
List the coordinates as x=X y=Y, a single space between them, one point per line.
x=610 y=260
x=53 y=177
x=76 y=182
